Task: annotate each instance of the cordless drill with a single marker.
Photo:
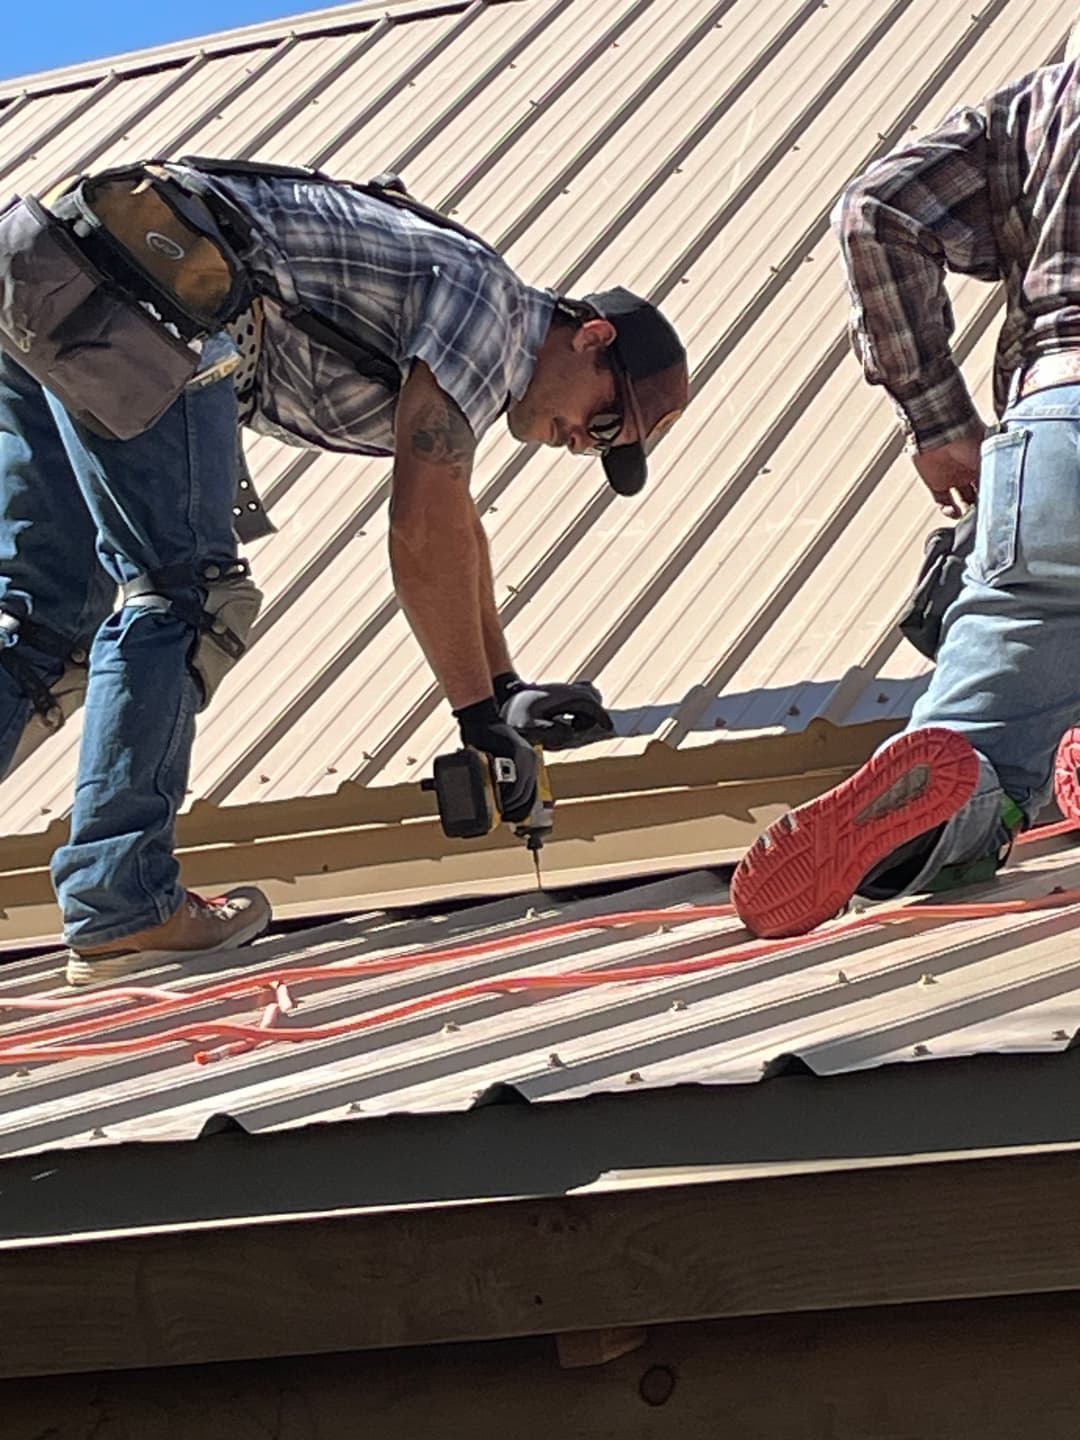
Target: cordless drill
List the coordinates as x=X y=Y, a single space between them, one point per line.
x=466 y=787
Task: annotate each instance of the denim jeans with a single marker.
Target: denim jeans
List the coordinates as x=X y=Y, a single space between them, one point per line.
x=1008 y=670
x=80 y=516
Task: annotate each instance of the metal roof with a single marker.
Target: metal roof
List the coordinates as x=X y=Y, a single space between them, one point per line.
x=691 y=151
x=921 y=988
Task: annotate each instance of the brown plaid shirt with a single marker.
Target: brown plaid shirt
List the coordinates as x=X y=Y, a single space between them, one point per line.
x=994 y=193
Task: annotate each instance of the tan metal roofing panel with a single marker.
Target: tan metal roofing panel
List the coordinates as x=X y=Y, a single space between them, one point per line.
x=692 y=151
x=841 y=999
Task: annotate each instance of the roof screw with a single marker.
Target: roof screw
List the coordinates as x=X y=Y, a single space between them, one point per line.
x=921 y=1050
x=882 y=698
x=353 y=1107
x=841 y=978
x=449 y=1028
x=24 y=1074
x=858 y=906
x=927 y=979
x=1057 y=1035
x=677 y=1005
x=1058 y=890
x=331 y=769
x=97 y=1133
x=365 y=754
x=663 y=929
x=410 y=759
x=556 y=1062
x=264 y=779
x=530 y=914
x=635 y=1078
x=793 y=710
x=720 y=723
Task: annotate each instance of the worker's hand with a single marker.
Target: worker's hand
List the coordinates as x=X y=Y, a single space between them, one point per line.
x=951 y=473
x=482 y=728
x=556 y=716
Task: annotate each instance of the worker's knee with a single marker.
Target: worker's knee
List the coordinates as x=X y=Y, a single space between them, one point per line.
x=218 y=601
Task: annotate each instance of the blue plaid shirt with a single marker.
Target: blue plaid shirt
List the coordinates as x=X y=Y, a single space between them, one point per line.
x=403 y=286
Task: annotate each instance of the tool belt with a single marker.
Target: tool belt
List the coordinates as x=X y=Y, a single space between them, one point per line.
x=123 y=268
x=137 y=267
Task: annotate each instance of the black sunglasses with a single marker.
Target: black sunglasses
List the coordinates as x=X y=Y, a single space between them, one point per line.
x=605 y=426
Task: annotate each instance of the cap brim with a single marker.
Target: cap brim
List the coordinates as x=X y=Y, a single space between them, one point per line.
x=625 y=468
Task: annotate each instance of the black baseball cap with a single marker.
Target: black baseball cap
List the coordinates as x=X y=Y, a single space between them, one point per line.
x=650 y=365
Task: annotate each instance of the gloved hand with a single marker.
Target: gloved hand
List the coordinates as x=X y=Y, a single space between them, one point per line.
x=556 y=716
x=483 y=729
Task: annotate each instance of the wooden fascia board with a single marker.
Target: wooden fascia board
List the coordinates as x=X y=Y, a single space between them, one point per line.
x=865 y=1235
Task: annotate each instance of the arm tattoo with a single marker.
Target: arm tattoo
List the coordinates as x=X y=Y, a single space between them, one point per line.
x=440 y=434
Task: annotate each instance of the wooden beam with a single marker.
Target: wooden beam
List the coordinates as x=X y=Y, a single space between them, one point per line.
x=983 y=1370
x=867 y=1235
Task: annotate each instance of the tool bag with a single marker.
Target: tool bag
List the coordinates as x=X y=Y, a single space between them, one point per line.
x=938 y=585
x=107 y=297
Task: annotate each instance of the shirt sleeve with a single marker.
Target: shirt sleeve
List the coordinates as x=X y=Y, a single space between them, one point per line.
x=467 y=331
x=919 y=212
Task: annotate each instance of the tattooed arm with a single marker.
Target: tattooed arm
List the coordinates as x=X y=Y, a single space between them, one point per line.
x=438 y=551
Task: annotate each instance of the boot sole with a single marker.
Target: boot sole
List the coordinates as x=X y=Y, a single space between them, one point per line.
x=1066 y=780
x=82 y=973
x=805 y=868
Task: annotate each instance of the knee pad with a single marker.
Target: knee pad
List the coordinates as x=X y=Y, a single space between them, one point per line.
x=222 y=619
x=67 y=694
x=50 y=704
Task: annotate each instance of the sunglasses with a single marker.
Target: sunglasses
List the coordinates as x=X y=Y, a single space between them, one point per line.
x=605 y=426
x=603 y=430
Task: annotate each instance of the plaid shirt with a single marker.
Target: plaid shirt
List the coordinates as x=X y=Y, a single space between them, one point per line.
x=993 y=193
x=405 y=287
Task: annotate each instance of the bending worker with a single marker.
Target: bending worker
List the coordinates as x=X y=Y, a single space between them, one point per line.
x=994 y=193
x=369 y=327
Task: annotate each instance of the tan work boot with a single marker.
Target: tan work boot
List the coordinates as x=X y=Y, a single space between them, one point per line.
x=198 y=927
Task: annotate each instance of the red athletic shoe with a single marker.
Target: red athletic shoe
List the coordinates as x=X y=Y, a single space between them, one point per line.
x=807 y=865
x=1066 y=779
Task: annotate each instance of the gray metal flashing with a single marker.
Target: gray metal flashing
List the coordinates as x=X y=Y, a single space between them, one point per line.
x=505 y=1147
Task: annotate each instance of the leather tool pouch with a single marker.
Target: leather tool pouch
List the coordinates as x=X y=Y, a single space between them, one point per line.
x=938 y=585
x=121 y=271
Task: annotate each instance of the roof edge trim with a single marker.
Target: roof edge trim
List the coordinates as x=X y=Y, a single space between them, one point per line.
x=336 y=20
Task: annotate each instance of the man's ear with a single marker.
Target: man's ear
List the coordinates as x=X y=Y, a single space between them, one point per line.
x=595 y=334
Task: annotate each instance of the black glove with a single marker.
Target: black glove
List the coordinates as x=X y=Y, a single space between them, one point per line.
x=558 y=717
x=482 y=728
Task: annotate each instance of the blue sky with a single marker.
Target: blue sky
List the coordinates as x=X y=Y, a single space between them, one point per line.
x=43 y=34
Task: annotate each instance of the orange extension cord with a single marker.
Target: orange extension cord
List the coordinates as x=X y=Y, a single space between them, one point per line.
x=154 y=1002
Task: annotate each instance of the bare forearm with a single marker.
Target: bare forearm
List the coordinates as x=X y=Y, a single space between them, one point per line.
x=495 y=646
x=434 y=550
x=436 y=586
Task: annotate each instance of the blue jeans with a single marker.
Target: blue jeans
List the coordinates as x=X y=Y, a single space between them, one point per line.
x=1008 y=671
x=80 y=516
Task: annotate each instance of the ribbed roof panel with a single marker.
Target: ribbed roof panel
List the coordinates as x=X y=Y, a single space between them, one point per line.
x=692 y=152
